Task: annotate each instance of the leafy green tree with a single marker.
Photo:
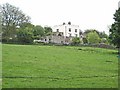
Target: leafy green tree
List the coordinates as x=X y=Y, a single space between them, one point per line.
x=93 y=38
x=85 y=41
x=38 y=31
x=104 y=40
x=25 y=36
x=90 y=30
x=75 y=41
x=115 y=30
x=12 y=18
x=103 y=35
x=27 y=25
x=48 y=30
x=25 y=33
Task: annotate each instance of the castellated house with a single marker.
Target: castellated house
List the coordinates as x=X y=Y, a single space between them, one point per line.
x=63 y=34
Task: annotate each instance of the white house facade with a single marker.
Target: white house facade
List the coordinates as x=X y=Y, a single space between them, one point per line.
x=62 y=34
x=67 y=30
x=119 y=4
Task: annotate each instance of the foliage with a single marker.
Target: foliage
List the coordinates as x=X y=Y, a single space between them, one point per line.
x=85 y=41
x=93 y=38
x=103 y=35
x=12 y=18
x=75 y=41
x=16 y=26
x=28 y=32
x=90 y=30
x=115 y=29
x=38 y=31
x=35 y=66
x=104 y=40
x=48 y=30
x=25 y=33
x=25 y=36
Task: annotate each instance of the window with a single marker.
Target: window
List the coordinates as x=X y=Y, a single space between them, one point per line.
x=62 y=42
x=76 y=35
x=69 y=29
x=59 y=34
x=49 y=39
x=57 y=30
x=42 y=39
x=69 y=35
x=75 y=30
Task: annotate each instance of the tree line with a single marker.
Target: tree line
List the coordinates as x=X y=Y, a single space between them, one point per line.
x=92 y=36
x=17 y=27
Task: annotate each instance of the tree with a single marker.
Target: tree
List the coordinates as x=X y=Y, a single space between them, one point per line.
x=48 y=30
x=85 y=41
x=12 y=18
x=38 y=31
x=103 y=35
x=75 y=41
x=25 y=33
x=93 y=38
x=90 y=30
x=115 y=29
x=25 y=36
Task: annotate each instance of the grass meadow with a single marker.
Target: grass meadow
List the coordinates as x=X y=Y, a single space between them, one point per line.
x=34 y=66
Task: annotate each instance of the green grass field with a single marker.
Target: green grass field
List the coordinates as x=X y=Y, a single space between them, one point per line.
x=34 y=66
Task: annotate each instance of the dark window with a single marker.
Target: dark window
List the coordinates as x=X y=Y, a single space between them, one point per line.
x=49 y=39
x=75 y=30
x=69 y=29
x=76 y=35
x=63 y=23
x=57 y=30
x=70 y=35
x=69 y=23
x=42 y=39
x=62 y=42
x=59 y=34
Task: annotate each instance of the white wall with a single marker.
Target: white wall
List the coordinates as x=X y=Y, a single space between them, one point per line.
x=65 y=29
x=73 y=27
x=119 y=4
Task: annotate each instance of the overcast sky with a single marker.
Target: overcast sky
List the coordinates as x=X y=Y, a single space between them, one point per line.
x=88 y=14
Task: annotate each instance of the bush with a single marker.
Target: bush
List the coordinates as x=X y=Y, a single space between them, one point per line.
x=75 y=41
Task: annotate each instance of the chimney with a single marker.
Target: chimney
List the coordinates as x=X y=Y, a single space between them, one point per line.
x=63 y=23
x=69 y=23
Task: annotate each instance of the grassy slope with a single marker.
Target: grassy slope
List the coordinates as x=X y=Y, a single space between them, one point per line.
x=0 y=66
x=56 y=66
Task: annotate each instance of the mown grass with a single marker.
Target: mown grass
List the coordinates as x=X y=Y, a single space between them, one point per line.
x=33 y=66
x=0 y=66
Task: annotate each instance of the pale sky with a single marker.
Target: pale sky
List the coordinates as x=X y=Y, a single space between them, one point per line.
x=88 y=14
